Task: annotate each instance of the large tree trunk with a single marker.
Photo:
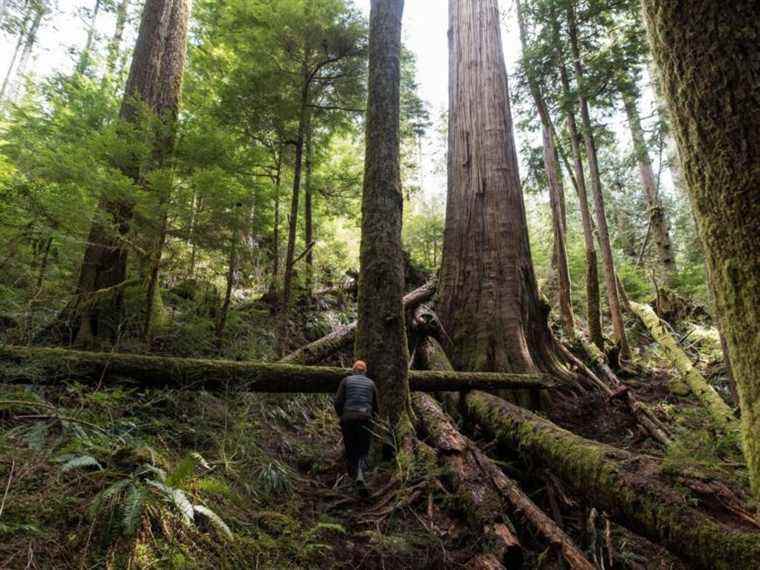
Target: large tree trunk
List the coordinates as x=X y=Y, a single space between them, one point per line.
x=603 y=232
x=593 y=311
x=657 y=219
x=381 y=330
x=220 y=375
x=710 y=74
x=167 y=108
x=633 y=489
x=556 y=190
x=489 y=305
x=105 y=258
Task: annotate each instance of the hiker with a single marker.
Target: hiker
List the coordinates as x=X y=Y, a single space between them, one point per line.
x=356 y=406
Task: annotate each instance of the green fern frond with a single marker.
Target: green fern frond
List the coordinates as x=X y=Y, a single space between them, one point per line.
x=214 y=519
x=81 y=462
x=133 y=510
x=176 y=498
x=102 y=498
x=184 y=470
x=214 y=486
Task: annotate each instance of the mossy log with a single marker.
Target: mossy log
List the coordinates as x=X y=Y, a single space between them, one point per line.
x=342 y=337
x=51 y=364
x=633 y=489
x=720 y=411
x=478 y=477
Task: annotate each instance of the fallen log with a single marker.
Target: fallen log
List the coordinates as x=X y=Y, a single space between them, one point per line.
x=719 y=410
x=452 y=444
x=633 y=489
x=24 y=364
x=478 y=477
x=343 y=336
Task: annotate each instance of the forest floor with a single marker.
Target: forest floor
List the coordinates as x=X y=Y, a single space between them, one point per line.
x=95 y=479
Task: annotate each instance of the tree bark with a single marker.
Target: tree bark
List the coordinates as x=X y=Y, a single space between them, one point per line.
x=603 y=232
x=556 y=190
x=489 y=305
x=231 y=269
x=657 y=219
x=381 y=330
x=593 y=311
x=710 y=75
x=343 y=337
x=276 y=234
x=635 y=490
x=221 y=375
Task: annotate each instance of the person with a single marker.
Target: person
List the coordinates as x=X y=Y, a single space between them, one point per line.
x=356 y=406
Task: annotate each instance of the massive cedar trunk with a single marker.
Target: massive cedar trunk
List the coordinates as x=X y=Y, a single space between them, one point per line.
x=167 y=108
x=105 y=258
x=381 y=332
x=657 y=219
x=489 y=303
x=593 y=312
x=603 y=232
x=556 y=190
x=710 y=75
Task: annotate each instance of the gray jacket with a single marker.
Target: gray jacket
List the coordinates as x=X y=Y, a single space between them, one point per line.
x=356 y=398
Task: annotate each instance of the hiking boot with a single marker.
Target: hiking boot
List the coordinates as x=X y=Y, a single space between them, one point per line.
x=361 y=484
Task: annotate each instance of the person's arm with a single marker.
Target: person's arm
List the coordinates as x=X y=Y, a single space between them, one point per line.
x=340 y=398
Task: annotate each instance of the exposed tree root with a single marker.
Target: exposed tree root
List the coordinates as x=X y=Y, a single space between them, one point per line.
x=720 y=411
x=632 y=489
x=53 y=364
x=342 y=337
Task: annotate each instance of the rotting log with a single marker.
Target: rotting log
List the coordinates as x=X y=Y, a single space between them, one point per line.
x=24 y=364
x=633 y=489
x=476 y=475
x=343 y=336
x=718 y=408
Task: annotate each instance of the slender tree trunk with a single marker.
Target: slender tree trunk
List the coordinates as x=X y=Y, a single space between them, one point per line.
x=381 y=332
x=556 y=190
x=603 y=232
x=293 y=219
x=489 y=301
x=710 y=75
x=115 y=44
x=231 y=269
x=86 y=55
x=657 y=217
x=22 y=35
x=276 y=236
x=191 y=232
x=593 y=311
x=308 y=211
x=167 y=107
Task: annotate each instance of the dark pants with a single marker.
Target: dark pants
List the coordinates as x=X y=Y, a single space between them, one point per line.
x=356 y=440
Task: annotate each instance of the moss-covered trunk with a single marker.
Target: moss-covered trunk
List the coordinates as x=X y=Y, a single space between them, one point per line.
x=633 y=489
x=381 y=329
x=709 y=69
x=489 y=302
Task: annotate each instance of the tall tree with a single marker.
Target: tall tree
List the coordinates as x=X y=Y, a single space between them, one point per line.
x=554 y=177
x=489 y=301
x=603 y=232
x=709 y=68
x=85 y=58
x=115 y=43
x=381 y=332
x=96 y=310
x=568 y=105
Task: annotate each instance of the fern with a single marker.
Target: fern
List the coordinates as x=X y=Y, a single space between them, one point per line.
x=106 y=495
x=132 y=510
x=215 y=520
x=177 y=498
x=184 y=470
x=81 y=462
